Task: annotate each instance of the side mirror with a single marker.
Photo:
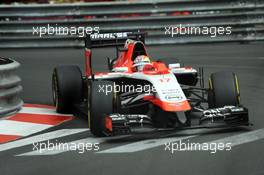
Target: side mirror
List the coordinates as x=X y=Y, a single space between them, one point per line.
x=174 y=66
x=172 y=63
x=120 y=69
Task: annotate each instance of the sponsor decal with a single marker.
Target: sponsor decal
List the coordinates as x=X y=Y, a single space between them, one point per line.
x=173 y=97
x=171 y=91
x=237 y=109
x=109 y=35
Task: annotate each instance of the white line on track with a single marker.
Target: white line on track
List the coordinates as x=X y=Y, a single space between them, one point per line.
x=242 y=138
x=143 y=145
x=147 y=144
x=151 y=143
x=40 y=138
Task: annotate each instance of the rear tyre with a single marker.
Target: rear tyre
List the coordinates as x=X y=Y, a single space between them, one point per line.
x=66 y=87
x=223 y=90
x=100 y=104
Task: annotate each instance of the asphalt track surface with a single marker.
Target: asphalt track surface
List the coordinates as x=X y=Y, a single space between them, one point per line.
x=247 y=60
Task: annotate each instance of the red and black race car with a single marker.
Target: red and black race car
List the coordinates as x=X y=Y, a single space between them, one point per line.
x=138 y=92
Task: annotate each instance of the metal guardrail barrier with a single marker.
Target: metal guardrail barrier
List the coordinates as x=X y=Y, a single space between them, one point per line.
x=10 y=87
x=140 y=7
x=246 y=17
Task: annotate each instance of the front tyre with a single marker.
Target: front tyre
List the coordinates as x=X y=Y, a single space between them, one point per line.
x=223 y=90
x=101 y=103
x=66 y=87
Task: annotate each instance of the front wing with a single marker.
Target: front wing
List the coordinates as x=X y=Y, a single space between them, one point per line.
x=228 y=116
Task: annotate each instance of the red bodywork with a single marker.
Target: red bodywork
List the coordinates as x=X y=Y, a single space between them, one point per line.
x=125 y=59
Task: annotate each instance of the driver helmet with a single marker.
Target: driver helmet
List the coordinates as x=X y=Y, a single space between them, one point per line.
x=140 y=61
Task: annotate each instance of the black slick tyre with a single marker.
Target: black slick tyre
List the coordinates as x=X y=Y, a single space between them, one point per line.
x=66 y=87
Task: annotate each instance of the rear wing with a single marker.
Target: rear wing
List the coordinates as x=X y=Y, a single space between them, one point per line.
x=112 y=39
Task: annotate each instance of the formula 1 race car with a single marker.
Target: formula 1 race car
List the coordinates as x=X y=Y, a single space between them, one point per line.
x=138 y=93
